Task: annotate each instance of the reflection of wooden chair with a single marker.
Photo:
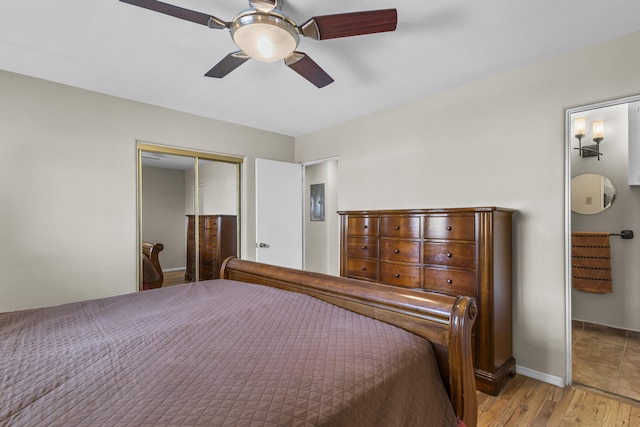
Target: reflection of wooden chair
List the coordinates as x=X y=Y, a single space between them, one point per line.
x=152 y=276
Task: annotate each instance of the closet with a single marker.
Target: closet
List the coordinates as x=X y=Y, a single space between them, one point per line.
x=174 y=187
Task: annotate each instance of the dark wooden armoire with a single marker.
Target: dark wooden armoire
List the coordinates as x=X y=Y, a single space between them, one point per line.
x=218 y=240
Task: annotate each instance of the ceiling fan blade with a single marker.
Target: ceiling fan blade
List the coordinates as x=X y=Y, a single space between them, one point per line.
x=179 y=12
x=228 y=64
x=307 y=68
x=350 y=24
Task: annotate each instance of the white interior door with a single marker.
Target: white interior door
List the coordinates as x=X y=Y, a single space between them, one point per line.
x=279 y=213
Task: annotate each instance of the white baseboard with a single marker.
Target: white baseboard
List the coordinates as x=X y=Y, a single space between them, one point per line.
x=169 y=270
x=540 y=376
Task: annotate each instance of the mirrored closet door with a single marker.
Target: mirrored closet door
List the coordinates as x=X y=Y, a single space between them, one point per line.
x=188 y=206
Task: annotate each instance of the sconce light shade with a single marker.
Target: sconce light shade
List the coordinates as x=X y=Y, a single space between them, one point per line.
x=579 y=127
x=598 y=136
x=598 y=131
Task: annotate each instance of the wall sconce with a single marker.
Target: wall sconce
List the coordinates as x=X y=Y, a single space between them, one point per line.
x=580 y=126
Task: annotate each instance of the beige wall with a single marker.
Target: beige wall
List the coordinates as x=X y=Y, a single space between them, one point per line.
x=499 y=141
x=218 y=188
x=68 y=193
x=163 y=214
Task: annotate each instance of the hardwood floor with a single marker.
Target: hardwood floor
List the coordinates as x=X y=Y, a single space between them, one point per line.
x=528 y=402
x=173 y=278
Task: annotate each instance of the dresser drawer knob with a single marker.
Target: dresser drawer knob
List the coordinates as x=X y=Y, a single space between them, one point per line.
x=364 y=247
x=449 y=281
x=449 y=255
x=365 y=226
x=396 y=275
x=449 y=227
x=397 y=251
x=397 y=227
x=364 y=268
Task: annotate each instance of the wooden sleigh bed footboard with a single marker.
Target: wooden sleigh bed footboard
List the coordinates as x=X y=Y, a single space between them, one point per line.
x=443 y=320
x=152 y=276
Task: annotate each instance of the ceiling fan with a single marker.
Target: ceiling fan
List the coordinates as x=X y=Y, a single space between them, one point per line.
x=265 y=33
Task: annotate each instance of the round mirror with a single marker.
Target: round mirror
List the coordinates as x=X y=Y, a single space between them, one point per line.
x=591 y=193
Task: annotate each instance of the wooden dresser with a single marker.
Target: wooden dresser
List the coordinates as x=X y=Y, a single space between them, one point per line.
x=218 y=240
x=455 y=251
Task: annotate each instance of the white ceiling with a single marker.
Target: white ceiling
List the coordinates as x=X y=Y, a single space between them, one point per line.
x=119 y=49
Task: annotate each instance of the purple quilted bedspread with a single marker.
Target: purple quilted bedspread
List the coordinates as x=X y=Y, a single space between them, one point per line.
x=216 y=353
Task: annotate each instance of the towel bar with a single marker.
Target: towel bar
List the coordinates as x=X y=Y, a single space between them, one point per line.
x=625 y=234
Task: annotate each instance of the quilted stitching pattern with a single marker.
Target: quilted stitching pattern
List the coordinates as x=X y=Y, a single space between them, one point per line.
x=214 y=353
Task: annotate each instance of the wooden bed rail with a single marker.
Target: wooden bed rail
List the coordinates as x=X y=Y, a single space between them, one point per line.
x=445 y=321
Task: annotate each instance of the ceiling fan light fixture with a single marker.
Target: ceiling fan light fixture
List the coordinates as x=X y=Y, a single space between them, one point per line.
x=264 y=33
x=266 y=38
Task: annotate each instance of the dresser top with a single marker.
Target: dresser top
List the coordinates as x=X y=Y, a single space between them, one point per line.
x=428 y=211
x=212 y=216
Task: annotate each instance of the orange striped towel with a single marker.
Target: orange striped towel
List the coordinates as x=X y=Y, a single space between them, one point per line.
x=591 y=262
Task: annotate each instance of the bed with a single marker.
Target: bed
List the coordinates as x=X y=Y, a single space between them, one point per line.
x=263 y=345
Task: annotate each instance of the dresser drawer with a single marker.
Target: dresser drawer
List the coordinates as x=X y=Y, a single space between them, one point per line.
x=207 y=271
x=450 y=254
x=208 y=243
x=210 y=223
x=454 y=282
x=208 y=259
x=362 y=268
x=363 y=226
x=400 y=275
x=406 y=227
x=400 y=250
x=362 y=247
x=449 y=227
x=210 y=226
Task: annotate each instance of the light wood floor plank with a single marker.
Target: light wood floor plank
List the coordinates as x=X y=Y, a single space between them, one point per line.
x=623 y=415
x=529 y=406
x=574 y=411
x=561 y=407
x=606 y=411
x=527 y=402
x=488 y=418
x=512 y=412
x=551 y=401
x=173 y=278
x=634 y=417
x=587 y=413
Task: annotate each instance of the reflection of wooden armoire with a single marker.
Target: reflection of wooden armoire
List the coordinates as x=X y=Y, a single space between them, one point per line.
x=218 y=240
x=460 y=251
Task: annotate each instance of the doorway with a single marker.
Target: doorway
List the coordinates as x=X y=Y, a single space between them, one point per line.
x=178 y=187
x=602 y=326
x=321 y=222
x=290 y=231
